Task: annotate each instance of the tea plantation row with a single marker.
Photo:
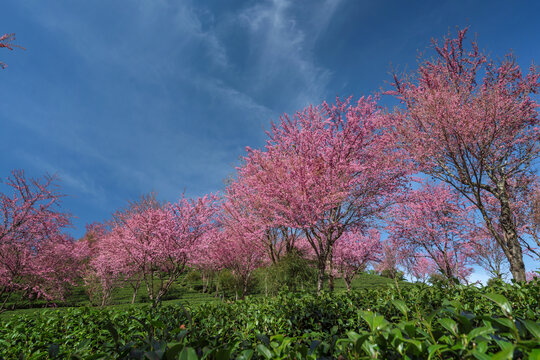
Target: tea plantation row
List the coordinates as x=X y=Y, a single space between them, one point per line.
x=414 y=322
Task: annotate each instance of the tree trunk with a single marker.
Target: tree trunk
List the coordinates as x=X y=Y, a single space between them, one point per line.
x=135 y=290
x=515 y=258
x=245 y=288
x=204 y=284
x=513 y=247
x=508 y=240
x=330 y=281
x=347 y=282
x=320 y=276
x=134 y=296
x=331 y=270
x=150 y=290
x=105 y=297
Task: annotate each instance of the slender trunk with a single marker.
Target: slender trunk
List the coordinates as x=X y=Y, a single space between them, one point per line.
x=104 y=297
x=508 y=240
x=245 y=288
x=166 y=285
x=203 y=283
x=513 y=249
x=134 y=296
x=330 y=281
x=331 y=270
x=320 y=275
x=135 y=289
x=347 y=282
x=149 y=291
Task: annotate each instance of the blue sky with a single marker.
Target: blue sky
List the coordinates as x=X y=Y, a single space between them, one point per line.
x=124 y=97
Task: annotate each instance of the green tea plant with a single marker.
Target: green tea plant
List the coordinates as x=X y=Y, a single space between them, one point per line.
x=413 y=322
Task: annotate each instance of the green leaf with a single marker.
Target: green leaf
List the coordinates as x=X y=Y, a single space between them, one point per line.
x=353 y=335
x=532 y=327
x=500 y=300
x=504 y=322
x=375 y=321
x=246 y=355
x=314 y=345
x=188 y=353
x=480 y=355
x=173 y=351
x=370 y=348
x=433 y=350
x=263 y=350
x=401 y=306
x=481 y=331
x=449 y=325
x=534 y=354
x=417 y=344
x=504 y=354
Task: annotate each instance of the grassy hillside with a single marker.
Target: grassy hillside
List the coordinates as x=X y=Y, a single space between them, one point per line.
x=185 y=291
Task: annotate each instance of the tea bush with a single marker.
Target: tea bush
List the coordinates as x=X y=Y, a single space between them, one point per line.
x=414 y=322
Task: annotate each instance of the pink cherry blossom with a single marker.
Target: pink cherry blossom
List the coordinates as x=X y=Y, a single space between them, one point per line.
x=471 y=122
x=37 y=259
x=324 y=171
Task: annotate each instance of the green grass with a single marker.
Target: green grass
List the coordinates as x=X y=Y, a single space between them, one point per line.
x=183 y=292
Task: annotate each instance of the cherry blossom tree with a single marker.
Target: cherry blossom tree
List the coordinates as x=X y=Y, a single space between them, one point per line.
x=204 y=257
x=37 y=260
x=471 y=122
x=243 y=208
x=354 y=251
x=324 y=172
x=486 y=253
x=110 y=264
x=433 y=221
x=422 y=268
x=153 y=241
x=240 y=255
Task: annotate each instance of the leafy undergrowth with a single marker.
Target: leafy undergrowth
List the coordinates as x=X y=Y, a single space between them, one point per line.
x=189 y=291
x=415 y=322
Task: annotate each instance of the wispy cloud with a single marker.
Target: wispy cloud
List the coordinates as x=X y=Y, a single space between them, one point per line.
x=284 y=49
x=161 y=95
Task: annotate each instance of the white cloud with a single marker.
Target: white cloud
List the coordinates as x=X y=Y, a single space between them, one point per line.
x=152 y=44
x=284 y=48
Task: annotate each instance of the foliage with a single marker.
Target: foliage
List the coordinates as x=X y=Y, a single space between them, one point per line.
x=292 y=272
x=412 y=322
